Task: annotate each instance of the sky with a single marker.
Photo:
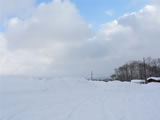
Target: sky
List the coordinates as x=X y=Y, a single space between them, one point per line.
x=97 y=12
x=75 y=37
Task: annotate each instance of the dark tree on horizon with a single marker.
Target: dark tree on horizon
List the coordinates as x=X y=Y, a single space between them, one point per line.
x=138 y=70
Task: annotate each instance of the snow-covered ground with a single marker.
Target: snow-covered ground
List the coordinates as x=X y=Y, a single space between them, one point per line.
x=27 y=98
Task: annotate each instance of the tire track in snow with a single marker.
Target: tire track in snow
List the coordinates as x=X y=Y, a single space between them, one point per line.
x=92 y=99
x=69 y=116
x=15 y=114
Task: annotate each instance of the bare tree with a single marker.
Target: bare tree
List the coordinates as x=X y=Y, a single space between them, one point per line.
x=138 y=70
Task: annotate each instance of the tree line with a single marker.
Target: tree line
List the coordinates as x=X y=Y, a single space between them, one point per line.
x=137 y=69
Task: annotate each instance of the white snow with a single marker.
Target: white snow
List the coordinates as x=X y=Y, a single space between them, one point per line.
x=154 y=78
x=138 y=81
x=27 y=98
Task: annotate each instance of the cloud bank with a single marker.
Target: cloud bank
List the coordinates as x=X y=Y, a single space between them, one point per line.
x=56 y=40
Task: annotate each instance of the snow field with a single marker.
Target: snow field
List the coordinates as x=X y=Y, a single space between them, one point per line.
x=31 y=98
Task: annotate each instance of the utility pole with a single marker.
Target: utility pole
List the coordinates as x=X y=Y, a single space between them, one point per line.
x=91 y=75
x=144 y=65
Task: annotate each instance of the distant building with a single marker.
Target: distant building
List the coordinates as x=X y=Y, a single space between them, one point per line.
x=153 y=79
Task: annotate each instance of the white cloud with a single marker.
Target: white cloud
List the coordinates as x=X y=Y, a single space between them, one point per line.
x=134 y=35
x=20 y=8
x=56 y=40
x=21 y=61
x=155 y=2
x=45 y=39
x=51 y=24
